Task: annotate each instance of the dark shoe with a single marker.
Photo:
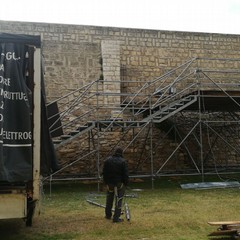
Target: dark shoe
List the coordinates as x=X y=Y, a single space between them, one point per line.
x=107 y=217
x=117 y=220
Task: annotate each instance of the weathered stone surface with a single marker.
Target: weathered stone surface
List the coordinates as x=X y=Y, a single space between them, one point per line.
x=77 y=55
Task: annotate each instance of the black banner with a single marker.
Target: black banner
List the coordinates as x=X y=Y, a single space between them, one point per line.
x=15 y=114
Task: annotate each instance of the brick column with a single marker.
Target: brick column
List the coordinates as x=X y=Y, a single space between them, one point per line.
x=111 y=71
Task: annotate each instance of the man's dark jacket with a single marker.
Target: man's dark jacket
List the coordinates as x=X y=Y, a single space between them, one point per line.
x=115 y=170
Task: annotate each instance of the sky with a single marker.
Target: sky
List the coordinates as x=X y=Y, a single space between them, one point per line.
x=211 y=16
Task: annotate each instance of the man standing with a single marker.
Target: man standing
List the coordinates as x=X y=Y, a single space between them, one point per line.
x=115 y=176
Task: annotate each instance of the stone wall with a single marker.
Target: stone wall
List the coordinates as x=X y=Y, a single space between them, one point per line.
x=76 y=55
x=72 y=53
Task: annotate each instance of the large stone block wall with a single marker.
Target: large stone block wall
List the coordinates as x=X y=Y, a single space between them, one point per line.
x=75 y=55
x=72 y=53
x=69 y=66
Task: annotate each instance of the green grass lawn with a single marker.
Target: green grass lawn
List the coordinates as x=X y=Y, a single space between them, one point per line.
x=165 y=212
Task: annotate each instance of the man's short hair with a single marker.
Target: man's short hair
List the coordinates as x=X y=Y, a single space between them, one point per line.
x=118 y=151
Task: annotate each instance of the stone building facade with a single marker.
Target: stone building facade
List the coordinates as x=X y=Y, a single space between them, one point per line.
x=75 y=55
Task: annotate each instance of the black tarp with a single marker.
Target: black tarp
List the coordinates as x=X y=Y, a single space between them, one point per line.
x=21 y=39
x=16 y=111
x=54 y=122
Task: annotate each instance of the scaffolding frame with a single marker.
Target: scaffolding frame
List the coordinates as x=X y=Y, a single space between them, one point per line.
x=181 y=91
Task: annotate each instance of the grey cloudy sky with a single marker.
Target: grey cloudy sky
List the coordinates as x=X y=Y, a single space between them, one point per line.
x=216 y=16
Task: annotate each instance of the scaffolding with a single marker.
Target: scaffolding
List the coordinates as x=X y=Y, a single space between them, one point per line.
x=194 y=106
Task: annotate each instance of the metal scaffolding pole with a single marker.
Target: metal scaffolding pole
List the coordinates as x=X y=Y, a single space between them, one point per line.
x=200 y=125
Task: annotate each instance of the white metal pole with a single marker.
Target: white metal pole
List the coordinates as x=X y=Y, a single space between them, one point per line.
x=36 y=123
